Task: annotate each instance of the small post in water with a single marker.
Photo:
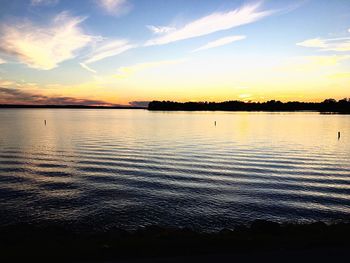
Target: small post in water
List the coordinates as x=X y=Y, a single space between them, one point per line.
x=338 y=135
x=45 y=122
x=215 y=123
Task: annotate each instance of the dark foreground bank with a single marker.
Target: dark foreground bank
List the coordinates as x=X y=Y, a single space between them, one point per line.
x=262 y=241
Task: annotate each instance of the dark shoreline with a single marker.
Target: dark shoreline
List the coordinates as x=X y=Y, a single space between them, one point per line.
x=261 y=240
x=11 y=106
x=166 y=110
x=327 y=106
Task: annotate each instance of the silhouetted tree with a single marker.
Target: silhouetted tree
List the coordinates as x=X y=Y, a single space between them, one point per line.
x=328 y=105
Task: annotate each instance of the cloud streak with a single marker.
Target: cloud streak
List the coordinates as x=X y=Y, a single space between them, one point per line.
x=115 y=7
x=44 y=47
x=330 y=44
x=84 y=66
x=17 y=96
x=213 y=23
x=43 y=2
x=108 y=49
x=220 y=42
x=158 y=30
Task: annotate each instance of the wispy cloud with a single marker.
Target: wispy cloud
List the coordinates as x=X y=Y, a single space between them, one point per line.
x=212 y=23
x=330 y=44
x=220 y=42
x=115 y=7
x=43 y=2
x=6 y=83
x=160 y=29
x=44 y=47
x=17 y=96
x=2 y=61
x=84 y=66
x=124 y=72
x=314 y=42
x=107 y=49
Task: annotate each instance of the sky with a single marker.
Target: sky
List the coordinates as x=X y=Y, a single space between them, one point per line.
x=129 y=52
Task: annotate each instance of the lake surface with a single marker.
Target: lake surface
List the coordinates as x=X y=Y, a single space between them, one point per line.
x=132 y=168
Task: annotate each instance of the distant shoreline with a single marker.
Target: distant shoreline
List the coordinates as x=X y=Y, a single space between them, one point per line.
x=12 y=106
x=327 y=106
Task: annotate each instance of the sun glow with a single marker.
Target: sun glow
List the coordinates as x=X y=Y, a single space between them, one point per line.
x=212 y=55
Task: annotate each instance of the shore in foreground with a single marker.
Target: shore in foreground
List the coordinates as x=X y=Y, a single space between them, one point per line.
x=263 y=240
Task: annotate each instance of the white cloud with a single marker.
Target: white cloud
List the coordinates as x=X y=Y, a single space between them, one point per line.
x=115 y=7
x=330 y=44
x=2 y=61
x=84 y=66
x=108 y=49
x=43 y=2
x=349 y=30
x=213 y=23
x=314 y=42
x=220 y=42
x=160 y=29
x=124 y=72
x=44 y=47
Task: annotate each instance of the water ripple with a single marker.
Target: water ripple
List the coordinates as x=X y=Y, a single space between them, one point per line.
x=132 y=169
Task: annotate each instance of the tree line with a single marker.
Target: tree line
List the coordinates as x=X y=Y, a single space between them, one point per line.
x=328 y=105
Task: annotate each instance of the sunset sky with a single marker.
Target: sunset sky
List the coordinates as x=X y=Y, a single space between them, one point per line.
x=128 y=52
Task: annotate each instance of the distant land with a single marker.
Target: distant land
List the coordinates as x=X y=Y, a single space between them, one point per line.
x=67 y=106
x=328 y=105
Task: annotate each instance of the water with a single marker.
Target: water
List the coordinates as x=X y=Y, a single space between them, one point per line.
x=132 y=168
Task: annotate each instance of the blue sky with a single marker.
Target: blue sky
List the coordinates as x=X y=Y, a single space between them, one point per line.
x=118 y=51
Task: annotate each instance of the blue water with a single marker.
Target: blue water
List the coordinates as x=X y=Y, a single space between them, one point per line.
x=133 y=168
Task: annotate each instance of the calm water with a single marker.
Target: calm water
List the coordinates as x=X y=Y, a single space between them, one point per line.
x=131 y=168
